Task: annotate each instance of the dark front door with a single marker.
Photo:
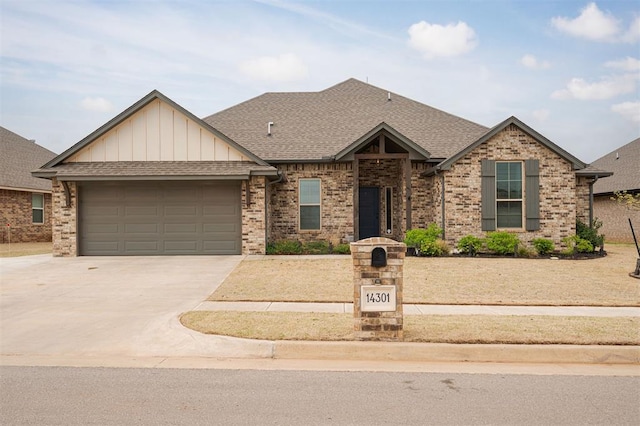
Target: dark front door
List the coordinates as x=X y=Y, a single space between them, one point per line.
x=369 y=213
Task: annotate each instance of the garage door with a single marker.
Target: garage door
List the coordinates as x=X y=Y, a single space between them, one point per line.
x=159 y=218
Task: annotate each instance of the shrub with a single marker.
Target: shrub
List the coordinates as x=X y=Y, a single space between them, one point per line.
x=502 y=242
x=590 y=234
x=316 y=247
x=543 y=246
x=434 y=248
x=425 y=240
x=341 y=249
x=524 y=251
x=470 y=244
x=415 y=237
x=575 y=244
x=285 y=247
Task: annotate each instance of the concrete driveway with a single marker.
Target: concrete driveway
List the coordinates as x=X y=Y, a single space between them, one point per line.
x=112 y=306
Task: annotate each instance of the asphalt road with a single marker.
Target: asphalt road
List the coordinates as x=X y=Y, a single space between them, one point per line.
x=117 y=396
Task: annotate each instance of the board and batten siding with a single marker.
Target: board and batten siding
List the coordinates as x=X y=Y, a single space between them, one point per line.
x=158 y=132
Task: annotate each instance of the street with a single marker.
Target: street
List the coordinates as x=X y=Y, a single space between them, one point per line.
x=110 y=396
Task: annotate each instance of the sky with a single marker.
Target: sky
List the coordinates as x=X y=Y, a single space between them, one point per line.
x=569 y=69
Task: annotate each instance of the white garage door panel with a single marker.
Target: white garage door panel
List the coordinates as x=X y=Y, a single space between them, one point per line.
x=150 y=218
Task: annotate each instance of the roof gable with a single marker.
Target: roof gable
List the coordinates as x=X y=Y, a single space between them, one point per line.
x=310 y=126
x=577 y=164
x=155 y=129
x=19 y=157
x=624 y=162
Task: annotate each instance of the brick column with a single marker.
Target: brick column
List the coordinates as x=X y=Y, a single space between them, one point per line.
x=384 y=324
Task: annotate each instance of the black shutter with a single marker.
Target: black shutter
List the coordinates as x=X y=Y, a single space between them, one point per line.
x=488 y=172
x=532 y=194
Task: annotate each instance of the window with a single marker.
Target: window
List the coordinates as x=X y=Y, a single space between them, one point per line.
x=37 y=208
x=309 y=201
x=509 y=194
x=388 y=198
x=510 y=207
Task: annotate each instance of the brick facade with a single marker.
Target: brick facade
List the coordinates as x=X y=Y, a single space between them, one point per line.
x=253 y=219
x=615 y=220
x=16 y=210
x=336 y=203
x=558 y=189
x=64 y=220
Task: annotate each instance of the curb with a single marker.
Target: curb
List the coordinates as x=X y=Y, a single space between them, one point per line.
x=445 y=352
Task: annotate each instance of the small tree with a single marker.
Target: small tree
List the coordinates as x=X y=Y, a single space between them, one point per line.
x=629 y=201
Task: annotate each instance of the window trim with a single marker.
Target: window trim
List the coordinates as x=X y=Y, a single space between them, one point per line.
x=318 y=204
x=388 y=209
x=34 y=208
x=521 y=199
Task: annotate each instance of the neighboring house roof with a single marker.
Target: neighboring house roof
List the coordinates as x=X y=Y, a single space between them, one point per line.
x=316 y=126
x=18 y=157
x=624 y=162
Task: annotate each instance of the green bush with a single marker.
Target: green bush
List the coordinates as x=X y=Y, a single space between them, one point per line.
x=341 y=249
x=524 y=251
x=502 y=242
x=434 y=248
x=575 y=244
x=415 y=237
x=470 y=244
x=543 y=246
x=590 y=234
x=316 y=247
x=285 y=247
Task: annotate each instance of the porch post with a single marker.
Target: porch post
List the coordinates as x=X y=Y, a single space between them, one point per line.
x=356 y=197
x=407 y=177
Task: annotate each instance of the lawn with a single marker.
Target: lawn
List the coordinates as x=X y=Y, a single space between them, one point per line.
x=431 y=328
x=448 y=280
x=25 y=249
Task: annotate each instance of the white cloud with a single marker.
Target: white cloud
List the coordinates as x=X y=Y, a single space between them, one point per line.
x=606 y=88
x=541 y=115
x=532 y=62
x=96 y=104
x=592 y=24
x=435 y=40
x=633 y=33
x=285 y=67
x=629 y=110
x=628 y=64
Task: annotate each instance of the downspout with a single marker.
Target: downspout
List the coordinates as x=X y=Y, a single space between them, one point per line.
x=266 y=206
x=442 y=206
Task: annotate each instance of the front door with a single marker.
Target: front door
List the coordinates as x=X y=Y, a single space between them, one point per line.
x=369 y=212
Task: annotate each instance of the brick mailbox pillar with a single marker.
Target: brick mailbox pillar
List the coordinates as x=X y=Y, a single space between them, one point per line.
x=377 y=288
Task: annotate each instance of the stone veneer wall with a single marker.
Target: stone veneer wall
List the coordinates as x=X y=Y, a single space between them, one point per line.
x=16 y=210
x=558 y=205
x=337 y=203
x=253 y=219
x=64 y=220
x=615 y=220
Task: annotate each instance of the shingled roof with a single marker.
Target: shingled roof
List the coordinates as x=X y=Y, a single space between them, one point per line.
x=624 y=162
x=19 y=156
x=310 y=126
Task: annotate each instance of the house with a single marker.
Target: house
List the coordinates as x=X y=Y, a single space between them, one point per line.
x=624 y=162
x=25 y=201
x=342 y=164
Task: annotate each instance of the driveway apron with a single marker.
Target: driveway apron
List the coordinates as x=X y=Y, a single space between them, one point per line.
x=120 y=306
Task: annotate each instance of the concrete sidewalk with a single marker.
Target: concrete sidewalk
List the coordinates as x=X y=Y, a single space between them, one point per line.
x=411 y=309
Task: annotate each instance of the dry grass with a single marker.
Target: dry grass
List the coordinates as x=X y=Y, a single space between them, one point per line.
x=417 y=328
x=24 y=249
x=595 y=282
